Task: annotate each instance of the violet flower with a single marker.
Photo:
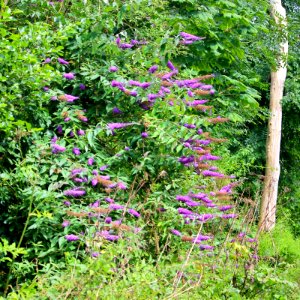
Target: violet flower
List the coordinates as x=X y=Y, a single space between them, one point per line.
x=67 y=203
x=212 y=174
x=116 y=206
x=134 y=213
x=65 y=223
x=175 y=232
x=144 y=135
x=229 y=216
x=57 y=148
x=74 y=192
x=225 y=207
x=171 y=66
x=91 y=161
x=121 y=186
x=76 y=171
x=116 y=83
x=47 y=60
x=108 y=220
x=102 y=168
x=71 y=237
x=95 y=254
x=145 y=85
x=54 y=139
x=125 y=46
x=109 y=200
x=113 y=69
x=69 y=76
x=76 y=151
x=94 y=182
x=153 y=69
x=80 y=132
x=184 y=211
x=116 y=111
x=82 y=87
x=62 y=61
x=190 y=126
x=206 y=247
x=183 y=198
x=70 y=98
x=190 y=37
x=113 y=126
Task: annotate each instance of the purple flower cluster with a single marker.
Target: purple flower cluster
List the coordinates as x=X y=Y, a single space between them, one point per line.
x=76 y=192
x=69 y=76
x=129 y=45
x=189 y=39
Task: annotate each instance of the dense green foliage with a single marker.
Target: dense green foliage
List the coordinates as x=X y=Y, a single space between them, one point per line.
x=143 y=172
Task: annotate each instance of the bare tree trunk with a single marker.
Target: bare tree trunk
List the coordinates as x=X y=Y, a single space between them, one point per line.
x=270 y=191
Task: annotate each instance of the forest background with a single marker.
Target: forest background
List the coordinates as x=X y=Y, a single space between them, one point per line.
x=136 y=173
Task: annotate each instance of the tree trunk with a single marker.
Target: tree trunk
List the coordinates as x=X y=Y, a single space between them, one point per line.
x=270 y=190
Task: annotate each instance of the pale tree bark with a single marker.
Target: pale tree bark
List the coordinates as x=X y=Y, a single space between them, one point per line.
x=270 y=190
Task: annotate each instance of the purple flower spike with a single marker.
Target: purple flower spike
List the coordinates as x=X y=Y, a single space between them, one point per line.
x=116 y=207
x=212 y=174
x=112 y=237
x=121 y=186
x=74 y=192
x=57 y=148
x=71 y=237
x=133 y=93
x=54 y=139
x=69 y=76
x=47 y=60
x=53 y=98
x=94 y=182
x=144 y=135
x=175 y=232
x=108 y=220
x=65 y=223
x=95 y=254
x=153 y=69
x=91 y=161
x=82 y=86
x=251 y=240
x=62 y=61
x=70 y=98
x=118 y=41
x=95 y=204
x=116 y=83
x=76 y=151
x=67 y=203
x=171 y=66
x=183 y=198
x=113 y=69
x=190 y=126
x=102 y=168
x=46 y=88
x=116 y=111
x=190 y=37
x=229 y=216
x=206 y=247
x=125 y=46
x=134 y=213
x=80 y=132
x=225 y=207
x=109 y=200
x=113 y=126
x=184 y=211
x=145 y=85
